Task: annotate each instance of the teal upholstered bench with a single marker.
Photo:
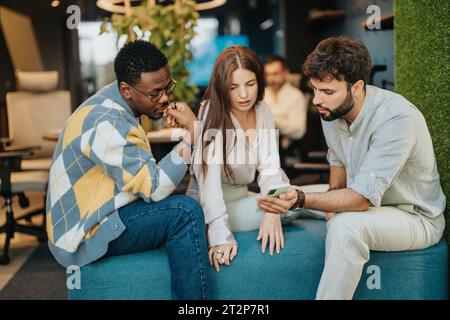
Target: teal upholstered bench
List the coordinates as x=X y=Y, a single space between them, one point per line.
x=293 y=274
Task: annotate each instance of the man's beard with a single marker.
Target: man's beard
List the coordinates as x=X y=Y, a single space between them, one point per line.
x=154 y=117
x=340 y=111
x=157 y=117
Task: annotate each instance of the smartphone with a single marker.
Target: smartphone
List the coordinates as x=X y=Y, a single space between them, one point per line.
x=275 y=191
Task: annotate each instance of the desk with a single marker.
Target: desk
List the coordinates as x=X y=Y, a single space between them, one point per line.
x=5 y=141
x=52 y=135
x=28 y=150
x=166 y=135
x=319 y=167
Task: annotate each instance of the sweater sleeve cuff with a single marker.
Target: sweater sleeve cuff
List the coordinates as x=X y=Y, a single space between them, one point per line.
x=219 y=232
x=173 y=166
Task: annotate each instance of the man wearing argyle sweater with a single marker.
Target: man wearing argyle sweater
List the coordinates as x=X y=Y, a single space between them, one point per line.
x=108 y=196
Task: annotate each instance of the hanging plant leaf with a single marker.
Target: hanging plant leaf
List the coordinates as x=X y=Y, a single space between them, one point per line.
x=172 y=30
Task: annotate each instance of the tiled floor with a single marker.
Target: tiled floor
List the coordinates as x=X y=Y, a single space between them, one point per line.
x=22 y=245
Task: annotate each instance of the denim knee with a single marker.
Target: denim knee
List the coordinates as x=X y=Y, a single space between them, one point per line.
x=194 y=208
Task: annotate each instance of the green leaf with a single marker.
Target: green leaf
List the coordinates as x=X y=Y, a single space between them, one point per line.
x=173 y=24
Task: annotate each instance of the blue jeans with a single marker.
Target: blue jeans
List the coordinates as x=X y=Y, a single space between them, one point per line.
x=177 y=223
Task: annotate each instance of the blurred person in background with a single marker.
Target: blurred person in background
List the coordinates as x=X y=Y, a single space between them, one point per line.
x=288 y=105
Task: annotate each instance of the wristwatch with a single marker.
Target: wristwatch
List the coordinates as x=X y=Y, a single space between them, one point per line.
x=300 y=203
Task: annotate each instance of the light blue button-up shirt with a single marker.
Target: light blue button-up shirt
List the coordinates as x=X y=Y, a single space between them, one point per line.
x=388 y=154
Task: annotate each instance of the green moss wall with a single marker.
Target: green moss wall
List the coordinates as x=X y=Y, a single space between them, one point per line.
x=422 y=72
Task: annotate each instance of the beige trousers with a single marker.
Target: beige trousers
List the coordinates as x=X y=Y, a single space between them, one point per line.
x=351 y=236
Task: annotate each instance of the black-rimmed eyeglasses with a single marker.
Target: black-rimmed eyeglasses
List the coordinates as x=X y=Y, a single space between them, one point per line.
x=156 y=96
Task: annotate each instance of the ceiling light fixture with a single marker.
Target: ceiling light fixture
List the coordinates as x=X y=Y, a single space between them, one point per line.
x=124 y=6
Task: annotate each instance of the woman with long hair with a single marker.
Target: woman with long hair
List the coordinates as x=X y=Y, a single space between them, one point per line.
x=238 y=139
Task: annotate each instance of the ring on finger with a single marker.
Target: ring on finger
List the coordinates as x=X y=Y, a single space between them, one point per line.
x=220 y=258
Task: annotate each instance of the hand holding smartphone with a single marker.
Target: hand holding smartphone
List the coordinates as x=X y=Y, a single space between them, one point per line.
x=277 y=190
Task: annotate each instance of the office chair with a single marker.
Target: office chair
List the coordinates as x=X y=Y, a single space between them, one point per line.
x=15 y=183
x=34 y=109
x=29 y=111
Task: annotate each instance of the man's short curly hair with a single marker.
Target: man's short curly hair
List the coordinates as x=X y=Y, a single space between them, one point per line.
x=341 y=58
x=135 y=58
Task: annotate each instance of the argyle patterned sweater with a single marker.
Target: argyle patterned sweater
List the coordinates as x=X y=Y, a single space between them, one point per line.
x=101 y=163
